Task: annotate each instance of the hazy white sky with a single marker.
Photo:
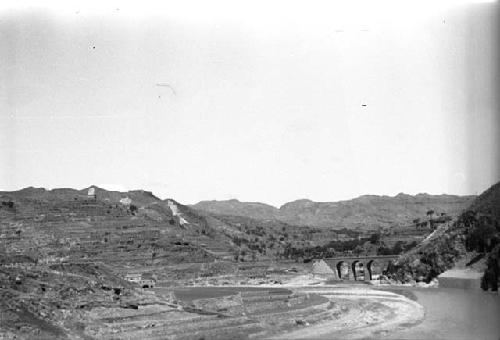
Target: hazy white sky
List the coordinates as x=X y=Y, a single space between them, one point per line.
x=260 y=101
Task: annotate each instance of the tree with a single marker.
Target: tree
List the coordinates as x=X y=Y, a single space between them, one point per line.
x=133 y=209
x=374 y=238
x=242 y=255
x=430 y=213
x=468 y=218
x=398 y=248
x=383 y=250
x=410 y=245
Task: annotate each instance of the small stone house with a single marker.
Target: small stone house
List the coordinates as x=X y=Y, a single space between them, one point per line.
x=143 y=280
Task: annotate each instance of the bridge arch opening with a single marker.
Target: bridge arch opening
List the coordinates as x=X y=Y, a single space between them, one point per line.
x=358 y=270
x=375 y=269
x=343 y=270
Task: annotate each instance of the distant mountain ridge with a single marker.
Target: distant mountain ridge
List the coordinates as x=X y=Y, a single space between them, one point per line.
x=367 y=212
x=234 y=207
x=364 y=212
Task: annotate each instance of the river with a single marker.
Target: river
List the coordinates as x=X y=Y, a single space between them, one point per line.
x=452 y=314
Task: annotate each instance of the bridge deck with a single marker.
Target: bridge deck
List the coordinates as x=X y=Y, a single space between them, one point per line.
x=368 y=257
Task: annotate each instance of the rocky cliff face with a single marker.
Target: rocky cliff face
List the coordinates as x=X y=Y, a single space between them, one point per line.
x=473 y=237
x=365 y=212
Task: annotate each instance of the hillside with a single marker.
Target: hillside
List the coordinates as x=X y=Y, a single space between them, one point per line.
x=236 y=208
x=65 y=256
x=118 y=229
x=368 y=212
x=80 y=264
x=136 y=231
x=473 y=239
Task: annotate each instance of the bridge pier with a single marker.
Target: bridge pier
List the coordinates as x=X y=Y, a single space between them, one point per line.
x=366 y=272
x=335 y=267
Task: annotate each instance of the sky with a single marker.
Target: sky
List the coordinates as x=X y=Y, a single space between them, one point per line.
x=259 y=101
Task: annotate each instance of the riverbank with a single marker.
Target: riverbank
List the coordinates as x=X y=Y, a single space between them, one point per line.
x=341 y=311
x=367 y=312
x=362 y=310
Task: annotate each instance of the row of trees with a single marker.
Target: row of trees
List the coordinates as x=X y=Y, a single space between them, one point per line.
x=431 y=222
x=398 y=248
x=355 y=247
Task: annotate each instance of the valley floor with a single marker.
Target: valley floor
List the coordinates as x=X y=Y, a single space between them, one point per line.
x=342 y=311
x=364 y=312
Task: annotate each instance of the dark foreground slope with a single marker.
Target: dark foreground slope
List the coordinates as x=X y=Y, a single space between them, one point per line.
x=474 y=236
x=365 y=212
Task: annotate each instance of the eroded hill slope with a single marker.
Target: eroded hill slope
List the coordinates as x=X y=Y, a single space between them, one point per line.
x=474 y=236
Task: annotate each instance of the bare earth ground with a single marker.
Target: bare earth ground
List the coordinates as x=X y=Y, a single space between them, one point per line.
x=351 y=311
x=302 y=312
x=365 y=312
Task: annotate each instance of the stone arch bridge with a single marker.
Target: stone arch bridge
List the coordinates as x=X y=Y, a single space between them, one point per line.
x=357 y=268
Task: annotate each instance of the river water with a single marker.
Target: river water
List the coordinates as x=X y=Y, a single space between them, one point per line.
x=453 y=314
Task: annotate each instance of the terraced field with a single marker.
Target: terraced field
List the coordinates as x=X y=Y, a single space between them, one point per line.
x=246 y=313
